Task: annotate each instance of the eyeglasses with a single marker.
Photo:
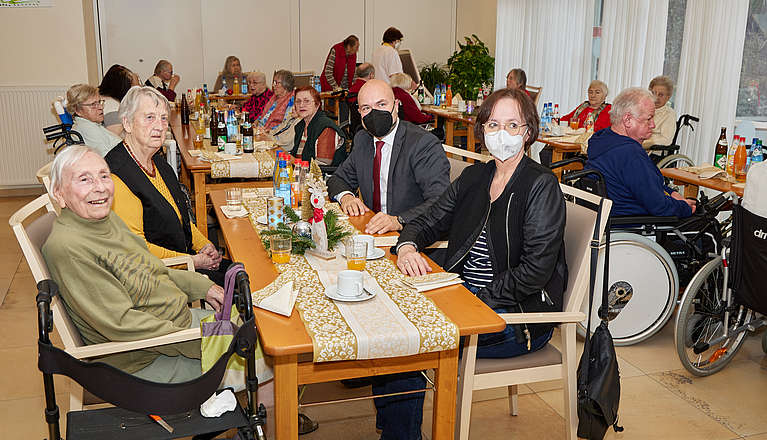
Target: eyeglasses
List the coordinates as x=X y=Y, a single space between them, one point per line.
x=511 y=127
x=98 y=103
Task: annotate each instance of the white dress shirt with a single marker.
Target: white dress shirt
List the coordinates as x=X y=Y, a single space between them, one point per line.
x=665 y=126
x=383 y=181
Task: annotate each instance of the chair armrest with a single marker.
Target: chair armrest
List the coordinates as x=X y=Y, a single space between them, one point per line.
x=542 y=317
x=90 y=351
x=177 y=261
x=643 y=219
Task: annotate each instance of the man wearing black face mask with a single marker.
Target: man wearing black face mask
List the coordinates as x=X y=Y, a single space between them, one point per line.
x=399 y=168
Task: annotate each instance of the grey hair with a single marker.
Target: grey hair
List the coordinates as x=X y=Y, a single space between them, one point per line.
x=364 y=70
x=161 y=65
x=129 y=104
x=256 y=75
x=601 y=85
x=663 y=81
x=628 y=102
x=77 y=94
x=68 y=157
x=401 y=80
x=285 y=77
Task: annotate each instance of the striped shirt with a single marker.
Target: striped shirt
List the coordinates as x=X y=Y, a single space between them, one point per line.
x=478 y=270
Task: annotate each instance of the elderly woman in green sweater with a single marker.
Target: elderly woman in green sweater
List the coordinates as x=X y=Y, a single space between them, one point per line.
x=113 y=288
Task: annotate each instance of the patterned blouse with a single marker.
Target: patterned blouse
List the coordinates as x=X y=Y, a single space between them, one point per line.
x=255 y=104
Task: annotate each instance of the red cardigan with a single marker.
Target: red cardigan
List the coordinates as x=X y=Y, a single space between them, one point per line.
x=410 y=110
x=603 y=120
x=341 y=63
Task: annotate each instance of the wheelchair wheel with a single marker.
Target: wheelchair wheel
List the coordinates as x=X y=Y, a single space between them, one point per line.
x=701 y=319
x=643 y=287
x=675 y=161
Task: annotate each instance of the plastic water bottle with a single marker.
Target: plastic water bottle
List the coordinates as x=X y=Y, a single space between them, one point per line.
x=757 y=155
x=244 y=86
x=283 y=183
x=436 y=94
x=64 y=115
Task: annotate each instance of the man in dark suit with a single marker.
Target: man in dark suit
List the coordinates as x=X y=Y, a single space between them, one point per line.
x=399 y=168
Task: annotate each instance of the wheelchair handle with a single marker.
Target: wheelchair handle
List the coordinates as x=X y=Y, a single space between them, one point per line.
x=568 y=161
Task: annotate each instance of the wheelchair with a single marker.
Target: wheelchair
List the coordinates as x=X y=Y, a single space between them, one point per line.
x=721 y=304
x=667 y=156
x=645 y=260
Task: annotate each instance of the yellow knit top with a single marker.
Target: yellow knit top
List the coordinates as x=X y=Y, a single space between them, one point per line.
x=129 y=208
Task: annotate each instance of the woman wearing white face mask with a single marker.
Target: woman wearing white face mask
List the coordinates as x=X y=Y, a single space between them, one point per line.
x=385 y=57
x=505 y=220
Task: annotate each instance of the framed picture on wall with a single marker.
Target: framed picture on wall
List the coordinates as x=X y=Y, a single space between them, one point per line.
x=408 y=65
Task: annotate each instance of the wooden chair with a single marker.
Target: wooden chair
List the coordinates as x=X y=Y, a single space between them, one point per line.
x=31 y=239
x=458 y=165
x=547 y=363
x=535 y=93
x=303 y=79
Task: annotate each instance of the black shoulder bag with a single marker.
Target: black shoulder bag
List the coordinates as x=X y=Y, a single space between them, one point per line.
x=599 y=388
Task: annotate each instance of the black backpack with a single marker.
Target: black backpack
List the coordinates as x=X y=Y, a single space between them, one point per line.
x=599 y=387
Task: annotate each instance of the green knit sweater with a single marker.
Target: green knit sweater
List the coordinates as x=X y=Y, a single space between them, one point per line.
x=115 y=290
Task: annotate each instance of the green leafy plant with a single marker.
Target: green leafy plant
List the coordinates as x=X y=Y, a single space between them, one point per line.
x=433 y=74
x=300 y=244
x=470 y=66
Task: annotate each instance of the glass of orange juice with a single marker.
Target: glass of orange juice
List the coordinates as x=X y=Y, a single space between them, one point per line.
x=280 y=247
x=574 y=124
x=356 y=254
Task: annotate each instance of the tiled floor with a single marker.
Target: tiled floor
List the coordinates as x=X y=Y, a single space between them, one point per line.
x=659 y=399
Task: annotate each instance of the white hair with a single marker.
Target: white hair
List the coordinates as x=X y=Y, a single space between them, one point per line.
x=401 y=80
x=65 y=159
x=628 y=102
x=129 y=104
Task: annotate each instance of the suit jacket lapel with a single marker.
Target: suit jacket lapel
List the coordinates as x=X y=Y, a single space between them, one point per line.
x=399 y=140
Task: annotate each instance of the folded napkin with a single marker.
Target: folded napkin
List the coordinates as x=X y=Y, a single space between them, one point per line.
x=278 y=297
x=713 y=172
x=234 y=211
x=432 y=286
x=218 y=404
x=430 y=278
x=386 y=240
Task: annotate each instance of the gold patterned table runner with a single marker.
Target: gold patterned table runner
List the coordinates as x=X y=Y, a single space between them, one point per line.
x=259 y=164
x=398 y=321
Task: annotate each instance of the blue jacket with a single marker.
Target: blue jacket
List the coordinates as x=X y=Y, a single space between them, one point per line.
x=634 y=183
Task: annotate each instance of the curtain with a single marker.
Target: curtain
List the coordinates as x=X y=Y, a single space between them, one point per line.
x=709 y=72
x=551 y=41
x=633 y=43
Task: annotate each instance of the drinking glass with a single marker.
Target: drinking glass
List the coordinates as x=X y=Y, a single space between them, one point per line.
x=234 y=197
x=574 y=124
x=356 y=254
x=280 y=247
x=197 y=140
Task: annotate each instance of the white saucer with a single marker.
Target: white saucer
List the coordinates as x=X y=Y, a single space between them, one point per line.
x=332 y=292
x=376 y=254
x=261 y=219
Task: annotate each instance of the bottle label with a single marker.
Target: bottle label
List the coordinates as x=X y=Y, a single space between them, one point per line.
x=247 y=144
x=720 y=161
x=221 y=140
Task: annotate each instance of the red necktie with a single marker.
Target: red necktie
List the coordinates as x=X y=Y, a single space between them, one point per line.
x=377 y=177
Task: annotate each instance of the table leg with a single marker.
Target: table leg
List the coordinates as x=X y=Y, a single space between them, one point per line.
x=446 y=385
x=556 y=156
x=184 y=175
x=449 y=126
x=286 y=397
x=690 y=190
x=200 y=201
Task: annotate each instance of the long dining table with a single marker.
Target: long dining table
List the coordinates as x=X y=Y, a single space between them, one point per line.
x=558 y=150
x=692 y=182
x=195 y=172
x=452 y=118
x=287 y=342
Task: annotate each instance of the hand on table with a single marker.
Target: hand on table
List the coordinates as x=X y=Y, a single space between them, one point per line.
x=215 y=297
x=411 y=263
x=353 y=206
x=381 y=223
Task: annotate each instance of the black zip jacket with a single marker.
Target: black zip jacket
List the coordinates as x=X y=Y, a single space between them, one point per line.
x=525 y=230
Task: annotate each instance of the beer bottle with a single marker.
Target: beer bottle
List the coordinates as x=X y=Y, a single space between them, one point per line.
x=184 y=110
x=720 y=153
x=221 y=132
x=213 y=127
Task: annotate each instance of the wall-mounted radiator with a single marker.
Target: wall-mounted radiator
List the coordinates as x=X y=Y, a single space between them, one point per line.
x=23 y=150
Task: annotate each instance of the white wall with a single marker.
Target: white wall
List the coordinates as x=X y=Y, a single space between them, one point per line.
x=43 y=46
x=197 y=35
x=477 y=17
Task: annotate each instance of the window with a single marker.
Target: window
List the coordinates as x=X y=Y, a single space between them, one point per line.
x=752 y=92
x=674 y=34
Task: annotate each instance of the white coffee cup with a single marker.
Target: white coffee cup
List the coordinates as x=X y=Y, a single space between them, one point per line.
x=230 y=148
x=349 y=283
x=370 y=240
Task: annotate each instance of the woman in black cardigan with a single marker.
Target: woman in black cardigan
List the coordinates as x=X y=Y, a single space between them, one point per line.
x=505 y=220
x=317 y=136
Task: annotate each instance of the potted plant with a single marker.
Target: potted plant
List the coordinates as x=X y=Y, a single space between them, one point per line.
x=470 y=67
x=433 y=74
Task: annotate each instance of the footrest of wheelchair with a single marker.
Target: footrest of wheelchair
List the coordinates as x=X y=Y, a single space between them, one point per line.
x=118 y=424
